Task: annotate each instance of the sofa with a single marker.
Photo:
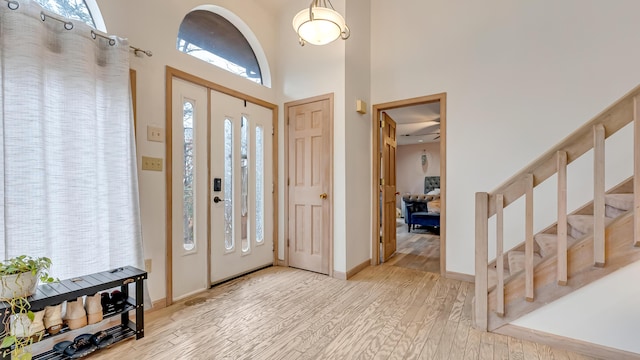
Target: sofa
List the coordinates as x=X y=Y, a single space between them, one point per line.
x=424 y=209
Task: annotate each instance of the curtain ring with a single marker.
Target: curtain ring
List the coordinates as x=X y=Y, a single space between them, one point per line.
x=42 y=16
x=112 y=42
x=93 y=34
x=13 y=5
x=68 y=25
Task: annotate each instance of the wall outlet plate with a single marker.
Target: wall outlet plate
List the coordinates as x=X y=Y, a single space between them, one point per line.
x=155 y=133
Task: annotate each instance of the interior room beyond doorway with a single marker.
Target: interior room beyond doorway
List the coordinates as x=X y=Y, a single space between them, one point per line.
x=420 y=127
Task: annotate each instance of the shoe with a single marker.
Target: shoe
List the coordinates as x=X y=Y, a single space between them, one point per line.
x=119 y=300
x=107 y=304
x=75 y=316
x=101 y=339
x=21 y=326
x=79 y=347
x=93 y=308
x=53 y=319
x=37 y=325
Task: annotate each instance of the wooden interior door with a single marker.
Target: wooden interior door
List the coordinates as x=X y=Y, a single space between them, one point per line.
x=309 y=186
x=388 y=187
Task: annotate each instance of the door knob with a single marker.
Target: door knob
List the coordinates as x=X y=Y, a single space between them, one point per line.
x=323 y=196
x=216 y=199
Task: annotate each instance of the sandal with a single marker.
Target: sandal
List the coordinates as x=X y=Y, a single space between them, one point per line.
x=81 y=346
x=101 y=339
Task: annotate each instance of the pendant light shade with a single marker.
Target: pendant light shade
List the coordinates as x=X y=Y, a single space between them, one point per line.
x=319 y=24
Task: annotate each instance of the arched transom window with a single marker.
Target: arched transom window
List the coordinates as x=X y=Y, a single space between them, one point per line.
x=82 y=10
x=211 y=37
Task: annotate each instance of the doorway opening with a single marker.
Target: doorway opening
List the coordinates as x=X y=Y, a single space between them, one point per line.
x=408 y=169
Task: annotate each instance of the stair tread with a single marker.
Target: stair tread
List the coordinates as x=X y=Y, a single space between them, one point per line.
x=493 y=276
x=549 y=243
x=620 y=201
x=516 y=260
x=584 y=223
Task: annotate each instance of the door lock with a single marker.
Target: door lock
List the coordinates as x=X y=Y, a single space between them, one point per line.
x=217 y=199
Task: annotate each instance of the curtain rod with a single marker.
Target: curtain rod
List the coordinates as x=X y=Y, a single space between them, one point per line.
x=14 y=5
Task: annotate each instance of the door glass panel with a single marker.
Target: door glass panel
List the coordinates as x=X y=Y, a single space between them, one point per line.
x=244 y=174
x=188 y=177
x=259 y=185
x=228 y=185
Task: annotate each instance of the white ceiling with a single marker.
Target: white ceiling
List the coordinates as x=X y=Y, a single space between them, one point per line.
x=417 y=124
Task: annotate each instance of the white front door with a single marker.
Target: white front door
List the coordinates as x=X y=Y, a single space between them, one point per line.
x=189 y=228
x=242 y=197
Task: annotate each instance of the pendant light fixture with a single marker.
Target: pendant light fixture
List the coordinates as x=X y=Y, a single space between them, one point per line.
x=320 y=24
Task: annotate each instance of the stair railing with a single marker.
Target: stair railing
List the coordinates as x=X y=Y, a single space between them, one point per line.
x=591 y=135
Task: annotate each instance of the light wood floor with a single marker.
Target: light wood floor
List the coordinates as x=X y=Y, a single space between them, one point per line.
x=418 y=249
x=384 y=312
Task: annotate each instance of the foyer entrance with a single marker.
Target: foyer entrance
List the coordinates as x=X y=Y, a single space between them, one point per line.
x=220 y=184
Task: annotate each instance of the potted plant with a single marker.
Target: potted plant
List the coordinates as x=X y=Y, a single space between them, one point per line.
x=19 y=279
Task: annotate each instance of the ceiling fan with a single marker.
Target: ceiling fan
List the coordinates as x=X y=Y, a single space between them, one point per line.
x=425 y=134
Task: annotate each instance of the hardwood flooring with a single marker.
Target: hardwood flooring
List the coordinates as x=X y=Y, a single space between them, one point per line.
x=383 y=312
x=418 y=249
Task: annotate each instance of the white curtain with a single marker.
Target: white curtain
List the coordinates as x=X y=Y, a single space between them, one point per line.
x=68 y=183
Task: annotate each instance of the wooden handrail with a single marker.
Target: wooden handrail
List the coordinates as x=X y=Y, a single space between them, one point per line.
x=577 y=143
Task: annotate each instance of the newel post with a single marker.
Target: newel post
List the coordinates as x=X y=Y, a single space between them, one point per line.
x=482 y=253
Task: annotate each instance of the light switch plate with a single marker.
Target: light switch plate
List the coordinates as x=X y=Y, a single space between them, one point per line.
x=151 y=163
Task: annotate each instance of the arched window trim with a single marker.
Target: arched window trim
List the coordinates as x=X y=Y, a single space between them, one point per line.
x=248 y=34
x=94 y=10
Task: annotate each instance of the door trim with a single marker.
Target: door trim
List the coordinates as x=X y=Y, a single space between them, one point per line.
x=288 y=105
x=211 y=86
x=375 y=161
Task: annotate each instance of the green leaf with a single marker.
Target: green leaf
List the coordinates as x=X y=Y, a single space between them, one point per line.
x=8 y=341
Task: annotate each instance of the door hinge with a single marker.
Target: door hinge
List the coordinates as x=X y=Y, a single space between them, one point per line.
x=382 y=182
x=381 y=239
x=288 y=182
x=382 y=124
x=287 y=242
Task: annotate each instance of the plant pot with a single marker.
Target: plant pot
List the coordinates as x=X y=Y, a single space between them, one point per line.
x=18 y=285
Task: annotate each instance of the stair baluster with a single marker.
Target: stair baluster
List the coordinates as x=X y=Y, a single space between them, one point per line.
x=598 y=195
x=562 y=218
x=500 y=254
x=528 y=228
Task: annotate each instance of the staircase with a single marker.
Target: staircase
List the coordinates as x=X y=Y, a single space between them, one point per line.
x=581 y=247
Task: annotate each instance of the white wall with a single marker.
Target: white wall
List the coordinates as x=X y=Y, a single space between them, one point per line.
x=409 y=169
x=305 y=72
x=358 y=134
x=519 y=76
x=575 y=317
x=155 y=27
